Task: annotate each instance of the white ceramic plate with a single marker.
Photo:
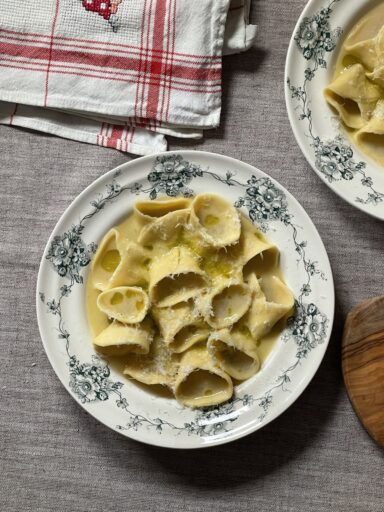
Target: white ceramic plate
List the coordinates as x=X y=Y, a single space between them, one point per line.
x=122 y=405
x=310 y=65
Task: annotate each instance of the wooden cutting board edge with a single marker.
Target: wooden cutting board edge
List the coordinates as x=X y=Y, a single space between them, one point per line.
x=351 y=336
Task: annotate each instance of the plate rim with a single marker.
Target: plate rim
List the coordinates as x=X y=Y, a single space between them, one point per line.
x=252 y=425
x=299 y=134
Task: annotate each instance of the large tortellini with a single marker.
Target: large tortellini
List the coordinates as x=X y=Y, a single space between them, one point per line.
x=357 y=89
x=183 y=293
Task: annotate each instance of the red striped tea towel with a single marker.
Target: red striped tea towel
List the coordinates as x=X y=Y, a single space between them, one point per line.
x=118 y=73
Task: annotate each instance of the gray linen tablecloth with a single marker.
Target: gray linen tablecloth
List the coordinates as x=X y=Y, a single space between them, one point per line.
x=55 y=457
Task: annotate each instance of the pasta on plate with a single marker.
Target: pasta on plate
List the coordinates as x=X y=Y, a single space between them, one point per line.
x=185 y=292
x=357 y=89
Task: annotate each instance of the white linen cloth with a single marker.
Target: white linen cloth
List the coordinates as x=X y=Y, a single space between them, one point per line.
x=118 y=73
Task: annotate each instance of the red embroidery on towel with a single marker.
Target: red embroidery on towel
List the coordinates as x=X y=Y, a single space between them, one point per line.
x=105 y=8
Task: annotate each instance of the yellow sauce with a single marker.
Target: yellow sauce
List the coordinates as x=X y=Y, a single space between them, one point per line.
x=111 y=260
x=117 y=299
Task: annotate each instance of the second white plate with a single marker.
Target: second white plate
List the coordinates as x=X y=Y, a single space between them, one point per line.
x=310 y=64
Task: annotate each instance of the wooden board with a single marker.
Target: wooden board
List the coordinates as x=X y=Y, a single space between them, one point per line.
x=363 y=364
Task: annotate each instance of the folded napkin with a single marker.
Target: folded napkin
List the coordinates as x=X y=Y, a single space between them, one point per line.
x=118 y=73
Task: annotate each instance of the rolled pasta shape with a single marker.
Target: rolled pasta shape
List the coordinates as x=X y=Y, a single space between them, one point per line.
x=120 y=339
x=235 y=352
x=361 y=43
x=227 y=304
x=199 y=382
x=252 y=243
x=148 y=211
x=353 y=96
x=170 y=320
x=176 y=277
x=250 y=251
x=127 y=304
x=165 y=228
x=271 y=301
x=133 y=269
x=180 y=325
x=159 y=366
x=364 y=52
x=106 y=260
x=276 y=291
x=255 y=253
x=347 y=109
x=264 y=262
x=371 y=137
x=216 y=220
x=377 y=75
x=188 y=336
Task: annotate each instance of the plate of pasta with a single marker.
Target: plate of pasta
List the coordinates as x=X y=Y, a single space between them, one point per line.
x=185 y=300
x=335 y=97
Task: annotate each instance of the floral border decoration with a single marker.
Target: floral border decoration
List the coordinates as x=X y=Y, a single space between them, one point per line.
x=333 y=158
x=172 y=175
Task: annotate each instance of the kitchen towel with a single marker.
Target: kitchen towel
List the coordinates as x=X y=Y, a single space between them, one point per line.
x=118 y=73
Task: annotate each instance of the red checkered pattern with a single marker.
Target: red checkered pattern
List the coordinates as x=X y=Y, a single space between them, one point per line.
x=166 y=78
